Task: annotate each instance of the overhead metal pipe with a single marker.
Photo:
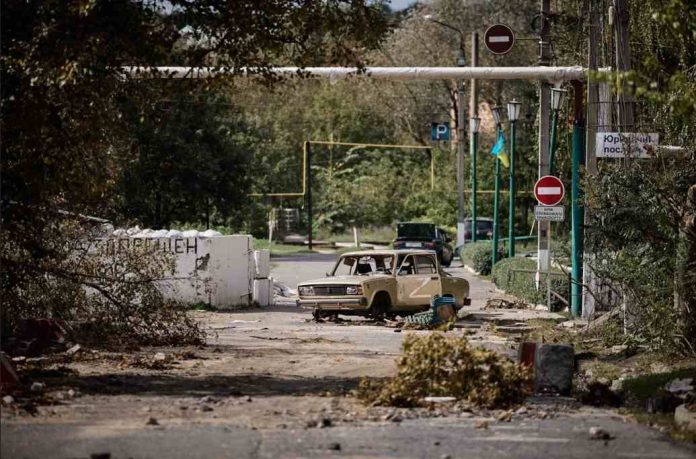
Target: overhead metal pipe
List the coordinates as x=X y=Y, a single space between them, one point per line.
x=550 y=74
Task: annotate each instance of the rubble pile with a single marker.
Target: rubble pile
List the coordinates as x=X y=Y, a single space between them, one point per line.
x=435 y=365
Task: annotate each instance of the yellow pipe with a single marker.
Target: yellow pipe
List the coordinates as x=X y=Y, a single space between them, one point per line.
x=350 y=144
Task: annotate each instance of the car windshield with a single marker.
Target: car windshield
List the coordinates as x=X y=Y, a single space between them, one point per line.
x=415 y=230
x=364 y=265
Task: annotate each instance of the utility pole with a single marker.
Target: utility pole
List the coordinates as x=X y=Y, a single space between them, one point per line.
x=308 y=191
x=623 y=64
x=473 y=133
x=543 y=227
x=461 y=145
x=593 y=108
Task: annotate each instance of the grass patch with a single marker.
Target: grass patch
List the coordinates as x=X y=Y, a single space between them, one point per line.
x=647 y=386
x=281 y=249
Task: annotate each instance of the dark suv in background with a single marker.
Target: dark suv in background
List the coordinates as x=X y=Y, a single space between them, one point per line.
x=410 y=235
x=484 y=228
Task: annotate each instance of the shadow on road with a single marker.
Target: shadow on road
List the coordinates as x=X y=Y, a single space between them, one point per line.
x=218 y=385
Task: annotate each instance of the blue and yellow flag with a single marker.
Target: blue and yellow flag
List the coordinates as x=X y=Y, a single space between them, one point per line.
x=498 y=150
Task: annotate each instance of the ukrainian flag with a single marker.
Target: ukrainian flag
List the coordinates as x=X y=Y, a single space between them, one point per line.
x=498 y=150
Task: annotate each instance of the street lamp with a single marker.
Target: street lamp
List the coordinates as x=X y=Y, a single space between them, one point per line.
x=496 y=111
x=558 y=97
x=513 y=114
x=461 y=129
x=474 y=123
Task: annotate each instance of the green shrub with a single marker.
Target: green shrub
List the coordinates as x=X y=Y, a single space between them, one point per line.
x=522 y=284
x=478 y=256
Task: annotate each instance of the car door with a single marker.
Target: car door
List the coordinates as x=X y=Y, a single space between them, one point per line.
x=418 y=280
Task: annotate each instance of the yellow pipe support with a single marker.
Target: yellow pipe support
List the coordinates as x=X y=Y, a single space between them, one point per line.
x=349 y=144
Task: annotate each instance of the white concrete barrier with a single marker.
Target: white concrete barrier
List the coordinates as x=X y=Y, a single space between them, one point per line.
x=212 y=269
x=263 y=292
x=262 y=262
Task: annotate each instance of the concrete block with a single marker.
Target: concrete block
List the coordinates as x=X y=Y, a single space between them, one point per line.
x=263 y=291
x=554 y=365
x=262 y=264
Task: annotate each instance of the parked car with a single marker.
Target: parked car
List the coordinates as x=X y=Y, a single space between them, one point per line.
x=376 y=283
x=414 y=235
x=484 y=228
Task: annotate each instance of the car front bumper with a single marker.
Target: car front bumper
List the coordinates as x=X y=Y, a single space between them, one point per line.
x=333 y=303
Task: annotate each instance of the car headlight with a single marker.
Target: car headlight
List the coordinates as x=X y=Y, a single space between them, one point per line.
x=306 y=291
x=354 y=290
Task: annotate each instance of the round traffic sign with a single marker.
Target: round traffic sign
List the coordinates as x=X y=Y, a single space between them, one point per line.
x=549 y=190
x=499 y=39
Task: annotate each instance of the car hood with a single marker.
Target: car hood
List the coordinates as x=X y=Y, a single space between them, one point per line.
x=341 y=280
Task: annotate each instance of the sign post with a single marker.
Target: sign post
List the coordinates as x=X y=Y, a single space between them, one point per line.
x=499 y=39
x=549 y=190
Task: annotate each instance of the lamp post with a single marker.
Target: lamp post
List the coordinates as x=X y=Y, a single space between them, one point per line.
x=513 y=113
x=558 y=97
x=461 y=130
x=496 y=112
x=474 y=123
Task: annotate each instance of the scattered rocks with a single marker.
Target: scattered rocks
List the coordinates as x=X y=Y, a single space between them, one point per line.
x=521 y=410
x=439 y=399
x=334 y=446
x=505 y=416
x=312 y=423
x=481 y=425
x=8 y=400
x=208 y=399
x=685 y=418
x=326 y=422
x=597 y=433
x=160 y=357
x=206 y=408
x=37 y=387
x=152 y=422
x=74 y=350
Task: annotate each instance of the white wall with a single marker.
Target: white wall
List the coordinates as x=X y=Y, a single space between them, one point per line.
x=217 y=270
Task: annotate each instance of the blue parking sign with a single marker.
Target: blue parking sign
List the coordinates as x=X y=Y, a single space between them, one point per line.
x=439 y=131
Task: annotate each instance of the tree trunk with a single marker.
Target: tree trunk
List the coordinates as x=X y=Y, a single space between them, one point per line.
x=685 y=291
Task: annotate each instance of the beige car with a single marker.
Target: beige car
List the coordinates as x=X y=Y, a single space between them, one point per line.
x=382 y=282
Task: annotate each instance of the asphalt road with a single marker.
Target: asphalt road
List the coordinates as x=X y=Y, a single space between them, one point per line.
x=268 y=372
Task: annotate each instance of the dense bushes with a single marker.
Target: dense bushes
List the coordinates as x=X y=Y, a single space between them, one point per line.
x=478 y=255
x=522 y=284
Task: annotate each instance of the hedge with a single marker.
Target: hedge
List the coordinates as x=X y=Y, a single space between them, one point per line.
x=478 y=256
x=523 y=286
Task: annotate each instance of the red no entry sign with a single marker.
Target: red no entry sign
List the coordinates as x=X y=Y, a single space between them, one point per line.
x=499 y=39
x=549 y=190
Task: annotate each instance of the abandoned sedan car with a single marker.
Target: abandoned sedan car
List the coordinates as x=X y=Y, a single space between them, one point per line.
x=376 y=283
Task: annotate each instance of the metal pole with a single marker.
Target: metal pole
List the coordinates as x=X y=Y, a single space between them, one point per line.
x=511 y=214
x=543 y=227
x=577 y=216
x=308 y=191
x=552 y=142
x=473 y=150
x=496 y=195
x=473 y=147
x=460 y=163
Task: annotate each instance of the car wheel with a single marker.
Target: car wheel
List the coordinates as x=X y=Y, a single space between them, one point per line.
x=380 y=307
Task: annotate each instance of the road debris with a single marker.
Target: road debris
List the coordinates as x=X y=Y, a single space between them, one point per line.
x=435 y=365
x=74 y=350
x=597 y=433
x=152 y=422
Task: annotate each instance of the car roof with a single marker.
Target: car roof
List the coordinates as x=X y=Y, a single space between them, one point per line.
x=388 y=252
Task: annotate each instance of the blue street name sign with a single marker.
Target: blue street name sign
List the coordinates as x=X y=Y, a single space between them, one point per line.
x=439 y=131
